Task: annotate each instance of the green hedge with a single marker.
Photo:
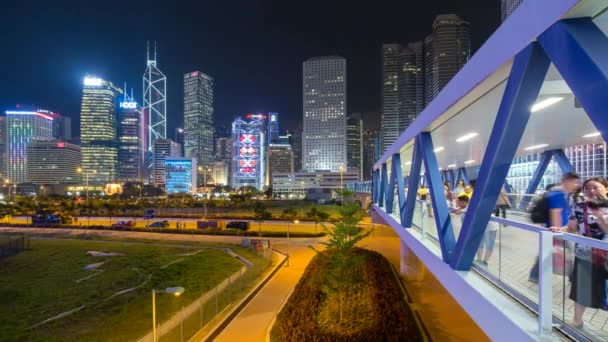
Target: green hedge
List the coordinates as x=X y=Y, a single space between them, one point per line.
x=390 y=320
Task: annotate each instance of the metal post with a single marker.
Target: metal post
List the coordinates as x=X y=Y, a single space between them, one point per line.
x=545 y=285
x=181 y=324
x=154 y=337
x=288 y=224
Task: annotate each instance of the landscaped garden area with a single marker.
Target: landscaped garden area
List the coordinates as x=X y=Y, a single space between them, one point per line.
x=112 y=293
x=346 y=294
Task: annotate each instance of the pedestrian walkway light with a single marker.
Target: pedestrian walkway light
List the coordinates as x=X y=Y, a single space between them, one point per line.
x=175 y=291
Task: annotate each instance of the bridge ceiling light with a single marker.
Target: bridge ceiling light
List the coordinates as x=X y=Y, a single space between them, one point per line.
x=545 y=103
x=592 y=135
x=469 y=161
x=451 y=165
x=439 y=149
x=467 y=136
x=535 y=147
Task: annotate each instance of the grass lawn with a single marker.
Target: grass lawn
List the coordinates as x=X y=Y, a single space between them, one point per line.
x=40 y=283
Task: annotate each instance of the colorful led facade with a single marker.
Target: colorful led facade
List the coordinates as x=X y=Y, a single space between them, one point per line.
x=180 y=175
x=248 y=153
x=98 y=129
x=163 y=149
x=24 y=125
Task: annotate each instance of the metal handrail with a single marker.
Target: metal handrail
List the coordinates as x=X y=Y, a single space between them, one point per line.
x=595 y=243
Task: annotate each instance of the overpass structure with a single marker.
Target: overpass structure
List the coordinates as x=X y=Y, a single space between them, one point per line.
x=539 y=84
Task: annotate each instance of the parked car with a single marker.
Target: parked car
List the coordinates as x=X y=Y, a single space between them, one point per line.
x=242 y=225
x=159 y=224
x=45 y=219
x=123 y=224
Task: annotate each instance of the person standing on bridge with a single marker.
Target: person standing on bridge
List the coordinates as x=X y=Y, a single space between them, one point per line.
x=558 y=209
x=590 y=219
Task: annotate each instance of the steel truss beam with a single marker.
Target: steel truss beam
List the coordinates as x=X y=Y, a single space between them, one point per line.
x=527 y=76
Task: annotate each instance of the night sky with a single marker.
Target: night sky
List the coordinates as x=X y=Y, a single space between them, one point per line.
x=253 y=49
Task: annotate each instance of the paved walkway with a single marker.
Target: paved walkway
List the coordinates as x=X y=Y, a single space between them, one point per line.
x=253 y=322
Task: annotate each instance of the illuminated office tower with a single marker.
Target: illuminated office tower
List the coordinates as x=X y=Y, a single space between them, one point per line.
x=354 y=143
x=98 y=129
x=180 y=175
x=53 y=162
x=273 y=128
x=198 y=118
x=279 y=158
x=448 y=50
x=163 y=148
x=24 y=125
x=248 y=153
x=131 y=133
x=155 y=100
x=324 y=109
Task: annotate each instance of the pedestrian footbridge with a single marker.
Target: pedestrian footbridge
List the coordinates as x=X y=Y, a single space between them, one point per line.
x=539 y=84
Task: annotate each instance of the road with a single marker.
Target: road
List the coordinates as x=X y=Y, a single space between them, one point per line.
x=189 y=223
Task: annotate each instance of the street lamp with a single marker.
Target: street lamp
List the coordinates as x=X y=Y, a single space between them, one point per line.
x=341 y=169
x=205 y=170
x=79 y=170
x=139 y=187
x=176 y=291
x=7 y=183
x=288 y=224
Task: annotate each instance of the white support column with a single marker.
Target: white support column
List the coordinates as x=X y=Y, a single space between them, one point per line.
x=545 y=285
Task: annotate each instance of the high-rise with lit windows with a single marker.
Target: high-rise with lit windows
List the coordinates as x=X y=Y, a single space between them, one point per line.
x=324 y=109
x=198 y=118
x=24 y=125
x=131 y=140
x=98 y=129
x=354 y=143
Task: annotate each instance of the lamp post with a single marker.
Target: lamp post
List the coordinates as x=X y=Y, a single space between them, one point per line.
x=7 y=183
x=139 y=187
x=79 y=170
x=176 y=291
x=341 y=169
x=205 y=170
x=288 y=226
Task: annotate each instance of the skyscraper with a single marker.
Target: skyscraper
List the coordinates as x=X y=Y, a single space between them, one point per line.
x=62 y=127
x=53 y=162
x=403 y=88
x=163 y=148
x=198 y=118
x=391 y=66
x=451 y=50
x=131 y=137
x=324 y=108
x=279 y=158
x=249 y=154
x=24 y=125
x=296 y=145
x=273 y=128
x=354 y=146
x=98 y=129
x=369 y=141
x=155 y=101
x=508 y=7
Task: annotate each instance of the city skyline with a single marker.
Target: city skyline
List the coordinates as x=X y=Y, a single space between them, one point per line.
x=267 y=80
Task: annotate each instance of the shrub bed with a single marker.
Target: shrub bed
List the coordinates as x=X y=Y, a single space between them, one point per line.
x=388 y=317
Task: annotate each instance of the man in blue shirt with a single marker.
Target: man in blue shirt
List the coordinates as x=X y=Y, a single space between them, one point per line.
x=559 y=208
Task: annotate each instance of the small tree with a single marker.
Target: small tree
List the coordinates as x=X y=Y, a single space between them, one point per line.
x=289 y=214
x=260 y=213
x=317 y=216
x=344 y=273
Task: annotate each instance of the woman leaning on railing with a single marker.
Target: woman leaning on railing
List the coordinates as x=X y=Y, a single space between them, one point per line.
x=590 y=219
